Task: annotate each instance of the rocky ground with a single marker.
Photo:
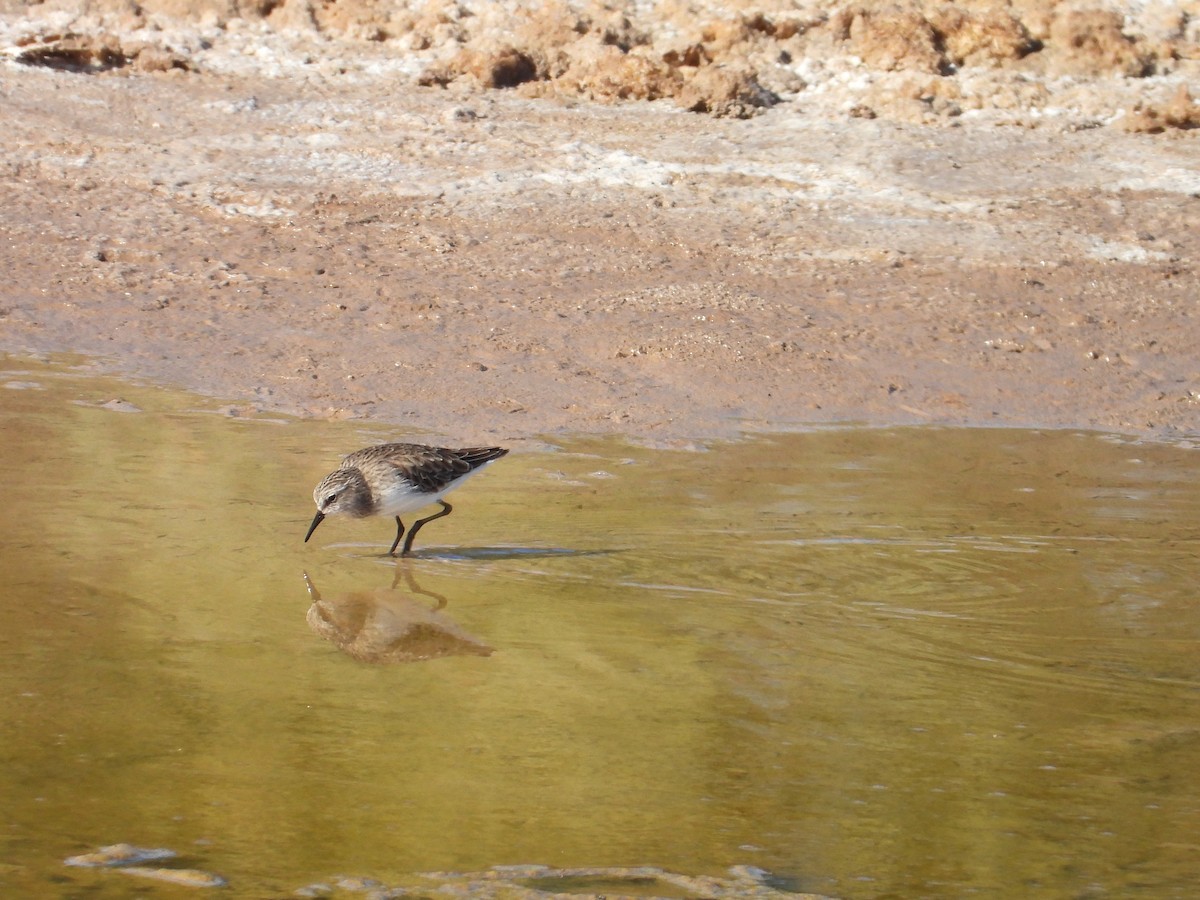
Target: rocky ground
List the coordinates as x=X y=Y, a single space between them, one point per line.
x=668 y=220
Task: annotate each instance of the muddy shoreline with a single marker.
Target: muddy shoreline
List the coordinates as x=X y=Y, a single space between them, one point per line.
x=474 y=263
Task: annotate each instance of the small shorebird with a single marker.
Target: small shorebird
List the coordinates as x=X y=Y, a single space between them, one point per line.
x=391 y=479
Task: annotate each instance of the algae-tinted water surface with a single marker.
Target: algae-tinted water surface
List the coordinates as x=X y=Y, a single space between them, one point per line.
x=901 y=662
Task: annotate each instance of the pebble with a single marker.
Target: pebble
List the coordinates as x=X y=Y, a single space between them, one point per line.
x=119 y=855
x=185 y=877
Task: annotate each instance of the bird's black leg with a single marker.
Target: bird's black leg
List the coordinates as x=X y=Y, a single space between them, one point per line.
x=446 y=510
x=399 y=534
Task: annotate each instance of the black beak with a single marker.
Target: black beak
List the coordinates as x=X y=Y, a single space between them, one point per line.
x=317 y=519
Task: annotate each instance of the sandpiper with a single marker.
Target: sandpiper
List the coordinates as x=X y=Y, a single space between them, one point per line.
x=391 y=479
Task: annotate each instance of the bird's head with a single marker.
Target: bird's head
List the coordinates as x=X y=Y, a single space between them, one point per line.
x=343 y=492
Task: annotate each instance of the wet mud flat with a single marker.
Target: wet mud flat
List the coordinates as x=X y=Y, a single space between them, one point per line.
x=300 y=221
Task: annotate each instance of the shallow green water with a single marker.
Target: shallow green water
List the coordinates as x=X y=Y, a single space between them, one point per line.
x=905 y=662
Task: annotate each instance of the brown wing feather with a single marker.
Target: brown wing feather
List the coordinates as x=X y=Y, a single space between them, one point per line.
x=430 y=468
x=477 y=456
x=439 y=466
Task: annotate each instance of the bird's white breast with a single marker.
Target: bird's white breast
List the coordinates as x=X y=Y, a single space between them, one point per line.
x=401 y=496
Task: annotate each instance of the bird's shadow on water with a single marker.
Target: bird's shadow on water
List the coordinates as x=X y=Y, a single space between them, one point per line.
x=494 y=553
x=475 y=553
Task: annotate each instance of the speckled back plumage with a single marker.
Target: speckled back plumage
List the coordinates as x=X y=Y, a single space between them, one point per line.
x=429 y=469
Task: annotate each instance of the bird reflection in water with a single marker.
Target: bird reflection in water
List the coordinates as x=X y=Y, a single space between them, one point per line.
x=386 y=625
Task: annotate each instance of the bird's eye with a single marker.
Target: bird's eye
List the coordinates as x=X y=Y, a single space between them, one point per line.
x=330 y=499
